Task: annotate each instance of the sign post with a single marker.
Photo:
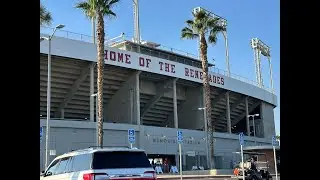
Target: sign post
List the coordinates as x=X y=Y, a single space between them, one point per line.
x=241 y=141
x=41 y=133
x=180 y=140
x=274 y=143
x=131 y=137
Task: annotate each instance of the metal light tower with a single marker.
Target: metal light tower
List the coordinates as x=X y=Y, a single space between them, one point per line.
x=261 y=48
x=136 y=21
x=223 y=22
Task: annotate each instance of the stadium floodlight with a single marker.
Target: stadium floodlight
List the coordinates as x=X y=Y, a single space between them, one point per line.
x=223 y=23
x=259 y=48
x=60 y=26
x=49 y=39
x=44 y=38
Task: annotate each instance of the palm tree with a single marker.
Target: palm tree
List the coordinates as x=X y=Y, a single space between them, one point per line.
x=45 y=16
x=89 y=11
x=99 y=9
x=203 y=25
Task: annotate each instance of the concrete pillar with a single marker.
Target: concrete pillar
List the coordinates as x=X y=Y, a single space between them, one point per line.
x=124 y=106
x=247 y=116
x=175 y=106
x=204 y=110
x=62 y=113
x=92 y=91
x=228 y=113
x=189 y=114
x=137 y=98
x=131 y=108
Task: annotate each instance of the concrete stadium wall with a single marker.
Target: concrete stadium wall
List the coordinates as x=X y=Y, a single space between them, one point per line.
x=149 y=87
x=189 y=116
x=267 y=116
x=87 y=51
x=69 y=135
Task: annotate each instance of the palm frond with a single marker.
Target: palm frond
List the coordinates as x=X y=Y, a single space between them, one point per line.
x=200 y=15
x=88 y=7
x=108 y=12
x=105 y=6
x=215 y=25
x=187 y=33
x=190 y=23
x=45 y=16
x=112 y=2
x=212 y=38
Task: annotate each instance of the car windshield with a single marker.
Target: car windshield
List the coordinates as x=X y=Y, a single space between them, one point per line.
x=120 y=159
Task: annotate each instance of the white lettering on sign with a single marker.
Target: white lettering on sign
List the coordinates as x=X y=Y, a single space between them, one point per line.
x=159 y=66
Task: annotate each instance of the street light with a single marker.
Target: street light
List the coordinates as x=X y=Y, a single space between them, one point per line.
x=254 y=128
x=206 y=132
x=96 y=95
x=49 y=39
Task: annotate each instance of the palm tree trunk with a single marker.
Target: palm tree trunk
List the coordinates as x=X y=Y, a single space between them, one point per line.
x=206 y=86
x=100 y=68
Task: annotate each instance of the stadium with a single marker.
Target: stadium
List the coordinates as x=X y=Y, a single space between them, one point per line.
x=153 y=90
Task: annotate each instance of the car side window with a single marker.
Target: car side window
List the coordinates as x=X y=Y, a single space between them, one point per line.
x=52 y=169
x=81 y=162
x=62 y=167
x=69 y=165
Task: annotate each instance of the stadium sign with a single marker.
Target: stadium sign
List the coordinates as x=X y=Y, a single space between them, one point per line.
x=160 y=66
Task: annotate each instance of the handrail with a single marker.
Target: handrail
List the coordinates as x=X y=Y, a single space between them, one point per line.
x=88 y=38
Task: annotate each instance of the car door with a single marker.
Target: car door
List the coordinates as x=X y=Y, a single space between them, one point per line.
x=58 y=170
x=63 y=170
x=51 y=170
x=80 y=164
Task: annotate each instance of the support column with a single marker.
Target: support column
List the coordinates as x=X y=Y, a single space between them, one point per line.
x=92 y=91
x=270 y=72
x=228 y=113
x=62 y=113
x=260 y=69
x=137 y=100
x=175 y=106
x=247 y=116
x=255 y=57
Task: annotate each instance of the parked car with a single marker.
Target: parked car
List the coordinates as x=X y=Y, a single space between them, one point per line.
x=100 y=164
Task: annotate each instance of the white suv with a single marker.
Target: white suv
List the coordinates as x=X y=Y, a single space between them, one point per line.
x=101 y=164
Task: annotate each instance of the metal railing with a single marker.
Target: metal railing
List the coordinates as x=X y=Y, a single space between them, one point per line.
x=87 y=38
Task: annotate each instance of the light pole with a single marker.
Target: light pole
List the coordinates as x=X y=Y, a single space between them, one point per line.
x=224 y=33
x=60 y=26
x=95 y=95
x=254 y=127
x=206 y=133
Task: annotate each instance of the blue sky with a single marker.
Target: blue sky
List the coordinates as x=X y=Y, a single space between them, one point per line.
x=162 y=20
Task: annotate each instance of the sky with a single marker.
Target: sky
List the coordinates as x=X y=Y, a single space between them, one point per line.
x=162 y=20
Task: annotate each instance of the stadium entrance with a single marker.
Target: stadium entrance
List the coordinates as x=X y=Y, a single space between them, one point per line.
x=165 y=161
